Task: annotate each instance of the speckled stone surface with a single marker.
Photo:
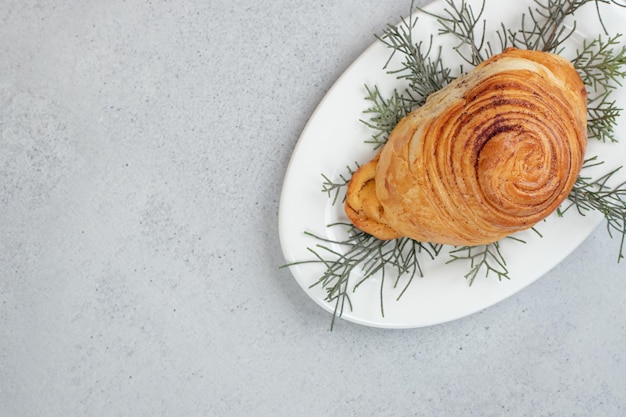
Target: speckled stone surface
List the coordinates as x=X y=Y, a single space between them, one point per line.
x=142 y=149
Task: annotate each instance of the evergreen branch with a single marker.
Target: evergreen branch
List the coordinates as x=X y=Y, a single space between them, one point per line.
x=598 y=195
x=487 y=258
x=385 y=114
x=601 y=63
x=421 y=66
x=602 y=114
x=333 y=187
x=468 y=27
x=364 y=255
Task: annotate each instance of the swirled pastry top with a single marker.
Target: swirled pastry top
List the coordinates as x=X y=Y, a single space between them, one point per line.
x=492 y=153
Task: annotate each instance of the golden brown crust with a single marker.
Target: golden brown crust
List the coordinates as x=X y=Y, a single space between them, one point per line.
x=362 y=205
x=494 y=152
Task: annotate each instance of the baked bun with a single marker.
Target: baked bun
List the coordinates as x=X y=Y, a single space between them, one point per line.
x=492 y=153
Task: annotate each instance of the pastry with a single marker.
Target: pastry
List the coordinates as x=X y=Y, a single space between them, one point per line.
x=494 y=152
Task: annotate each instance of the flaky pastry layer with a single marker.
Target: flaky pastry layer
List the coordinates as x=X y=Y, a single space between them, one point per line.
x=494 y=152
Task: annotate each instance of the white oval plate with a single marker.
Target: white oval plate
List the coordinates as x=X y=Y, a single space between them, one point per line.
x=334 y=138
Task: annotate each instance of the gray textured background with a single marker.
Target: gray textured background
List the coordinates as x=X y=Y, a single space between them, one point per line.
x=142 y=150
